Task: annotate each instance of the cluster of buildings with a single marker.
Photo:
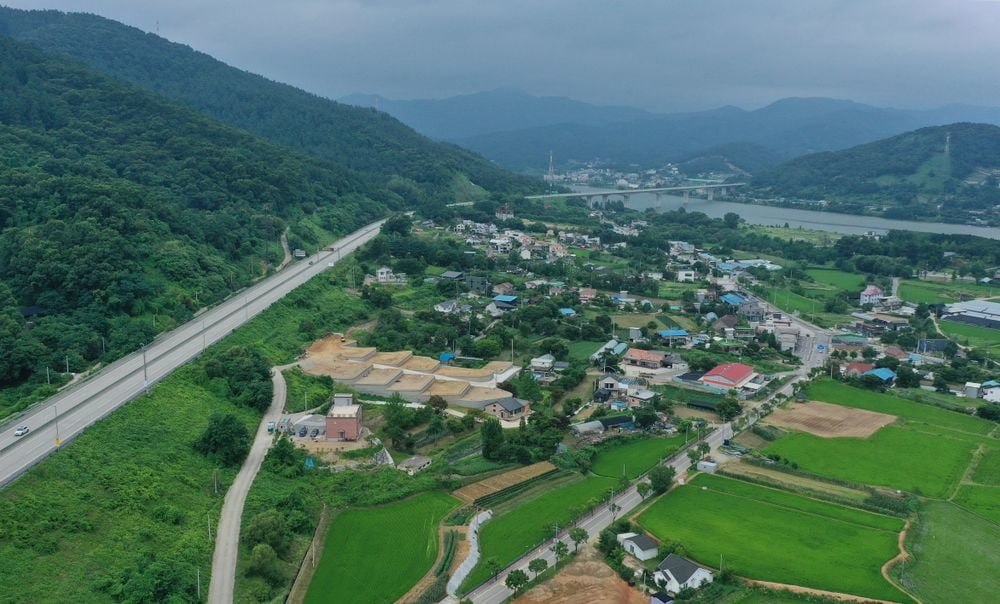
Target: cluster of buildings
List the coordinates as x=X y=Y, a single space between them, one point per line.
x=673 y=574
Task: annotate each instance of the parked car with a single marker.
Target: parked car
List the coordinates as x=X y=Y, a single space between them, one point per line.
x=270 y=427
x=303 y=431
x=21 y=430
x=314 y=433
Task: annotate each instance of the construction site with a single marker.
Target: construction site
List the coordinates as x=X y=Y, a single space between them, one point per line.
x=414 y=378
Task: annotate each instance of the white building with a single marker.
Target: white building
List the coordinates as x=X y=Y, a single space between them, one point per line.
x=642 y=547
x=686 y=276
x=873 y=295
x=675 y=573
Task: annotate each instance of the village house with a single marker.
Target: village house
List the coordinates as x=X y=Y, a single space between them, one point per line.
x=508 y=408
x=676 y=573
x=414 y=464
x=686 y=276
x=504 y=289
x=385 y=276
x=642 y=547
x=872 y=294
x=647 y=359
x=587 y=295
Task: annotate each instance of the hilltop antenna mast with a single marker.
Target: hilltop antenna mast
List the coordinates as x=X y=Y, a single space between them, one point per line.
x=947 y=143
x=552 y=166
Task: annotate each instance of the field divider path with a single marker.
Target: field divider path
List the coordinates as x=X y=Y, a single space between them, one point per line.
x=227 y=536
x=902 y=556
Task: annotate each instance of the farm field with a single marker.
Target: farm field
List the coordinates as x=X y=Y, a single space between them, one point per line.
x=987 y=469
x=499 y=482
x=837 y=278
x=514 y=532
x=348 y=570
x=810 y=308
x=583 y=349
x=914 y=413
x=981 y=500
x=672 y=290
x=954 y=556
x=773 y=535
x=936 y=292
x=636 y=457
x=894 y=457
x=979 y=337
x=829 y=420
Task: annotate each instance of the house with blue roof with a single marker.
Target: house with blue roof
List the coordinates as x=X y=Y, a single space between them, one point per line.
x=733 y=299
x=506 y=299
x=567 y=312
x=886 y=375
x=674 y=336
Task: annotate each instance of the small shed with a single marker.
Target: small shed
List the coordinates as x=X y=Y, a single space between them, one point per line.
x=414 y=464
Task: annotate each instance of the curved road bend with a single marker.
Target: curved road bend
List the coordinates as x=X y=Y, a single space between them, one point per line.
x=227 y=538
x=88 y=401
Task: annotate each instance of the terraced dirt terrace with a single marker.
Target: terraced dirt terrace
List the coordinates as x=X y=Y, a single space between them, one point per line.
x=830 y=421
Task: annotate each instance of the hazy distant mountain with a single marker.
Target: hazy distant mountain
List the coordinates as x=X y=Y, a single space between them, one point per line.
x=910 y=173
x=372 y=143
x=789 y=128
x=468 y=115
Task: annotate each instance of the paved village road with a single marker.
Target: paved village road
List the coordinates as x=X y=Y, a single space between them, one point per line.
x=227 y=539
x=68 y=413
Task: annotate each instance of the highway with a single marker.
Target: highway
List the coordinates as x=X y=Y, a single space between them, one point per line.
x=71 y=411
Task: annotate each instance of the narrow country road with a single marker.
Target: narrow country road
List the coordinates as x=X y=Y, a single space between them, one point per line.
x=287 y=252
x=227 y=538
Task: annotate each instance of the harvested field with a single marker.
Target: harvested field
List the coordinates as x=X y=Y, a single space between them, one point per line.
x=411 y=382
x=585 y=579
x=471 y=492
x=830 y=421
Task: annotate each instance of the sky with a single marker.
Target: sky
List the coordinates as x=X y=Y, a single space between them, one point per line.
x=661 y=55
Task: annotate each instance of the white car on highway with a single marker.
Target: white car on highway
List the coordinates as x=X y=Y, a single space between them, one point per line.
x=22 y=430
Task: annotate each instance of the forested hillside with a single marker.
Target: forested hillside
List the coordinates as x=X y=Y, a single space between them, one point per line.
x=122 y=213
x=912 y=172
x=363 y=139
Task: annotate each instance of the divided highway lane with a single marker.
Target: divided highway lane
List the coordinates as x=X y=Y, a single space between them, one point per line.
x=83 y=404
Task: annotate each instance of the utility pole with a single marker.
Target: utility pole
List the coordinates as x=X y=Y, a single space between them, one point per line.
x=199 y=583
x=58 y=440
x=48 y=379
x=208 y=522
x=67 y=363
x=103 y=348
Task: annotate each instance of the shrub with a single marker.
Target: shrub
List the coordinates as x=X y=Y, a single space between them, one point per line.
x=226 y=439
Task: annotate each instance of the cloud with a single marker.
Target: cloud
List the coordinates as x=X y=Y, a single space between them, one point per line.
x=662 y=55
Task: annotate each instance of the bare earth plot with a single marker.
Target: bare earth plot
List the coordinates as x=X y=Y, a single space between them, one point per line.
x=586 y=579
x=471 y=492
x=830 y=421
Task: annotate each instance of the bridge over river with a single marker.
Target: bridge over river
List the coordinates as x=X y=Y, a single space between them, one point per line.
x=598 y=197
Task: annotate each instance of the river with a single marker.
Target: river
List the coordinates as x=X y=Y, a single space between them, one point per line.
x=807 y=219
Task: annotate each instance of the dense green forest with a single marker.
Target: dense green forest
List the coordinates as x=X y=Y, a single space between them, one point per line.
x=911 y=172
x=420 y=170
x=122 y=214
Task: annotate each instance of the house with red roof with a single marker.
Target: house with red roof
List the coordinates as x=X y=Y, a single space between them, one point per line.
x=729 y=376
x=858 y=369
x=873 y=295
